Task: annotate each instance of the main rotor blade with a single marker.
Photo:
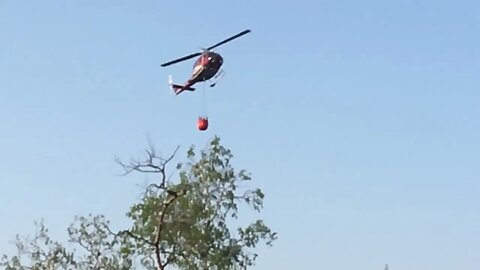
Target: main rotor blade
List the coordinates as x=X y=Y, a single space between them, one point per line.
x=199 y=53
x=180 y=59
x=229 y=39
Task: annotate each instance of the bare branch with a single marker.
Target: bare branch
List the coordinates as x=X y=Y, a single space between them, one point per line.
x=172 y=196
x=152 y=164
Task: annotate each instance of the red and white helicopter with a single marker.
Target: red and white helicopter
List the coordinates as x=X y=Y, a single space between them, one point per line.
x=206 y=67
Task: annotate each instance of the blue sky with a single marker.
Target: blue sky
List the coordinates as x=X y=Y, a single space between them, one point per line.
x=358 y=119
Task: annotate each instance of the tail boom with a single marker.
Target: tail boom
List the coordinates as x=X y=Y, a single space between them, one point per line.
x=179 y=88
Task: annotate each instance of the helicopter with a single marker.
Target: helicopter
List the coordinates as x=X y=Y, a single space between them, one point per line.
x=206 y=67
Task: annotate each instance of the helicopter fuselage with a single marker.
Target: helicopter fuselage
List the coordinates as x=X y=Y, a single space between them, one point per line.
x=205 y=67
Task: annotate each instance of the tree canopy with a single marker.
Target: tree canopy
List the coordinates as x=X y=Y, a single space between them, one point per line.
x=184 y=223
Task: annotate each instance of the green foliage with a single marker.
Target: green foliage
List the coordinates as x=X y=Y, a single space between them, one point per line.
x=182 y=224
x=90 y=233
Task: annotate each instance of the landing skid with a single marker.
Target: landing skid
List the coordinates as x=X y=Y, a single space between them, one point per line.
x=217 y=77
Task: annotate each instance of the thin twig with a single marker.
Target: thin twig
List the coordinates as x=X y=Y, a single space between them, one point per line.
x=129 y=233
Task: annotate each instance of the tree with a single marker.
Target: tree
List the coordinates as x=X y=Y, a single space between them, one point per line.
x=181 y=224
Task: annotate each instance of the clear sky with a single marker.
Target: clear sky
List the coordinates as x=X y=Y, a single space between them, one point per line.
x=359 y=119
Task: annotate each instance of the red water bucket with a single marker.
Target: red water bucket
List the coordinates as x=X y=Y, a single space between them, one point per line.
x=202 y=123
